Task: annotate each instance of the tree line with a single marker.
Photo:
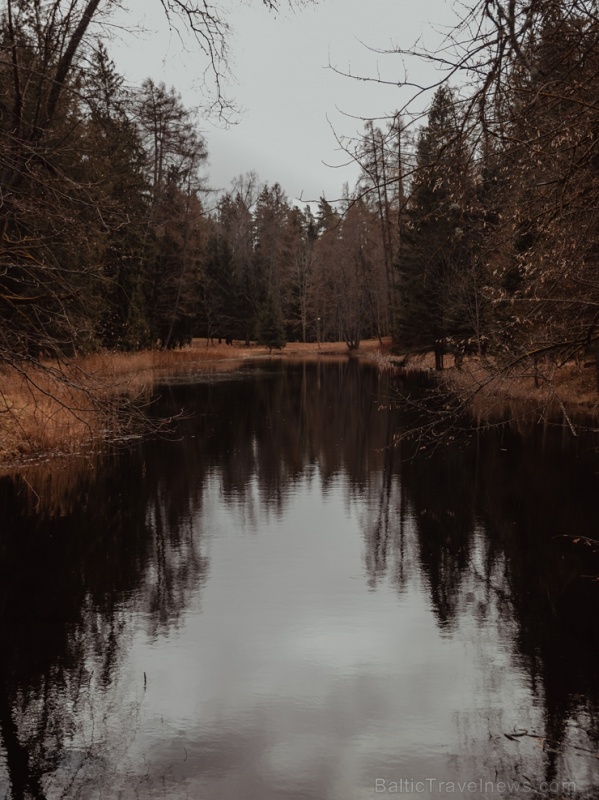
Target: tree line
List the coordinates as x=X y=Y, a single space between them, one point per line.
x=111 y=238
x=471 y=229
x=497 y=238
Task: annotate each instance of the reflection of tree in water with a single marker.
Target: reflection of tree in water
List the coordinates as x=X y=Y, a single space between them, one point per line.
x=86 y=548
x=556 y=609
x=440 y=495
x=289 y=418
x=489 y=521
x=83 y=550
x=483 y=515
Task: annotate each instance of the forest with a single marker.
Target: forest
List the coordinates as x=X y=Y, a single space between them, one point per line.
x=473 y=229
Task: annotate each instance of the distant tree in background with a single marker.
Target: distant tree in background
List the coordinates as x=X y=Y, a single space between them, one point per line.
x=272 y=254
x=382 y=158
x=229 y=293
x=174 y=156
x=302 y=278
x=85 y=168
x=270 y=329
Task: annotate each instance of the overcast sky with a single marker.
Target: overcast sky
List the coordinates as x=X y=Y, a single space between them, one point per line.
x=293 y=105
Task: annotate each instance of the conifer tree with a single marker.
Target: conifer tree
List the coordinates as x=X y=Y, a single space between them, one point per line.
x=271 y=326
x=435 y=258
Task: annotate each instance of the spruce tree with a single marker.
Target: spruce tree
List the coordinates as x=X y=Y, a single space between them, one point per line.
x=271 y=326
x=435 y=256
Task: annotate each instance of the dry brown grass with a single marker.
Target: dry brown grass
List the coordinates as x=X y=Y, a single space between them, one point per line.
x=147 y=365
x=42 y=410
x=493 y=394
x=65 y=407
x=115 y=365
x=571 y=384
x=568 y=391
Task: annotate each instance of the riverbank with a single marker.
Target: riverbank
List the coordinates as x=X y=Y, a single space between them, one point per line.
x=572 y=388
x=491 y=394
x=74 y=406
x=68 y=407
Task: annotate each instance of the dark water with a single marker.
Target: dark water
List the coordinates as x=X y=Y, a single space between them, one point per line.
x=274 y=603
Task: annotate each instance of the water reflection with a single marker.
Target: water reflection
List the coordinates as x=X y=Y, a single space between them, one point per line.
x=276 y=603
x=83 y=548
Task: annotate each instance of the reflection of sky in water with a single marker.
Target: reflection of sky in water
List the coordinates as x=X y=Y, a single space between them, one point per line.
x=276 y=605
x=289 y=677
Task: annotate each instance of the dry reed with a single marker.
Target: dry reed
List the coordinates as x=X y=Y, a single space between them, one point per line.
x=42 y=410
x=64 y=407
x=569 y=386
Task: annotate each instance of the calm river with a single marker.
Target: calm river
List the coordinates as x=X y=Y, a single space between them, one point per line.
x=275 y=604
